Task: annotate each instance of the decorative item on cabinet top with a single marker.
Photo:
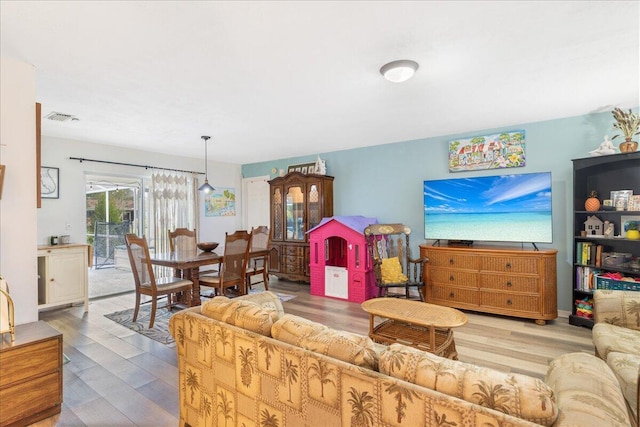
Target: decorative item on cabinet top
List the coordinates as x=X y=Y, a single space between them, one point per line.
x=302 y=168
x=627 y=123
x=318 y=167
x=605 y=148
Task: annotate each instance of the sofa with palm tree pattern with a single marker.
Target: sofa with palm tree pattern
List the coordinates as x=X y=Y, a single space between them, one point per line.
x=616 y=336
x=244 y=362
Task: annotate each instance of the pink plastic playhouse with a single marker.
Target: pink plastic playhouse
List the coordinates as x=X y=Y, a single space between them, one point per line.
x=339 y=261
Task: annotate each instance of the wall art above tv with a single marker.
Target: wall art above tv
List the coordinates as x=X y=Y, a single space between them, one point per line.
x=500 y=208
x=496 y=151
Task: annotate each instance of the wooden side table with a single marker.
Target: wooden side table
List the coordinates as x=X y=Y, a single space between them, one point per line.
x=414 y=323
x=30 y=374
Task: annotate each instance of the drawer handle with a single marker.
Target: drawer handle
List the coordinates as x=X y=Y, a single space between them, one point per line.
x=450 y=260
x=508 y=265
x=451 y=278
x=509 y=284
x=452 y=295
x=509 y=302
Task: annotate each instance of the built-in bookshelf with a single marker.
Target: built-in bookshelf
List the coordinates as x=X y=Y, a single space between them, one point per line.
x=597 y=255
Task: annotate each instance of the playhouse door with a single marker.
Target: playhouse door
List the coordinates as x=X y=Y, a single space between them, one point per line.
x=336 y=282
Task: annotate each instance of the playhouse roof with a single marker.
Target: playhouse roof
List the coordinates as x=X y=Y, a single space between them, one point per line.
x=355 y=222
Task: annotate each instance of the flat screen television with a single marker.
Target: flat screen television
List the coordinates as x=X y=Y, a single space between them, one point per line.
x=501 y=208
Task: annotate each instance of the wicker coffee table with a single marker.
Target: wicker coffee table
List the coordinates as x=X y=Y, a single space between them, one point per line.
x=414 y=323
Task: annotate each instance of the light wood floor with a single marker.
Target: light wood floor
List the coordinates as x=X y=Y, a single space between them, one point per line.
x=117 y=377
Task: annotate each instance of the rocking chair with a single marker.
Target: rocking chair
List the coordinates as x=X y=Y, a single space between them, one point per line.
x=388 y=246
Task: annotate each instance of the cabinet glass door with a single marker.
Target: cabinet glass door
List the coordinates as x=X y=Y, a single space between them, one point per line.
x=295 y=214
x=277 y=214
x=315 y=213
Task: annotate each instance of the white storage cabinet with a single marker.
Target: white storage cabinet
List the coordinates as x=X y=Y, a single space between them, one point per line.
x=63 y=275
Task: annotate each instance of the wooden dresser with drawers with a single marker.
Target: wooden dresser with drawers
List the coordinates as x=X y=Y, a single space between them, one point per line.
x=492 y=279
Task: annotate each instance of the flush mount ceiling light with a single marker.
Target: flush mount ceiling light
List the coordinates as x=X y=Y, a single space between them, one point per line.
x=399 y=71
x=206 y=187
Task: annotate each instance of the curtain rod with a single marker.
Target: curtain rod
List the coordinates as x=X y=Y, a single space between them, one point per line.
x=80 y=159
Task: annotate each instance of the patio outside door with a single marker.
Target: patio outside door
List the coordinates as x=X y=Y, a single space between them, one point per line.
x=114 y=207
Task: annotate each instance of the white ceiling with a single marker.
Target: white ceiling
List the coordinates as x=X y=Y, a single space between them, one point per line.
x=270 y=80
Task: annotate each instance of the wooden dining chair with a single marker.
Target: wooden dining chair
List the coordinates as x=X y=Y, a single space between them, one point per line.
x=259 y=265
x=234 y=264
x=182 y=239
x=146 y=281
x=185 y=240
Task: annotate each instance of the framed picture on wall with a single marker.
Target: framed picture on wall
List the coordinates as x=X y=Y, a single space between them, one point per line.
x=302 y=168
x=49 y=182
x=496 y=151
x=220 y=202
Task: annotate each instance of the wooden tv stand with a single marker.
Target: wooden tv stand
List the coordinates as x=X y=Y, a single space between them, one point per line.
x=493 y=279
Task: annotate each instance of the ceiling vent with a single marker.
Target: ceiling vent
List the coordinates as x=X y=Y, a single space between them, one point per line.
x=60 y=117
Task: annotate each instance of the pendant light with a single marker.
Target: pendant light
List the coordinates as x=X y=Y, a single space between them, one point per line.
x=206 y=187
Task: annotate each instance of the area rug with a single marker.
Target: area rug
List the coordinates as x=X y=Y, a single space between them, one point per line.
x=160 y=330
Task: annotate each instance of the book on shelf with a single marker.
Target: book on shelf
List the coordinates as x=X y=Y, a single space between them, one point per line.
x=585 y=253
x=588 y=253
x=586 y=278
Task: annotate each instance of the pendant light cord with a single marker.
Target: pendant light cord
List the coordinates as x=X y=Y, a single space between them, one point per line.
x=206 y=187
x=206 y=157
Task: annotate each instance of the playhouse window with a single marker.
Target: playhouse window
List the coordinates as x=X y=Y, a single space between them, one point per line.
x=335 y=249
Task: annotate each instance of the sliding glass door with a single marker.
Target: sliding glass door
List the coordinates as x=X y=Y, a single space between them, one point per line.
x=114 y=207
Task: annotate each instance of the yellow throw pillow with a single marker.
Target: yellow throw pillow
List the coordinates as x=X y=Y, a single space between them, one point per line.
x=392 y=271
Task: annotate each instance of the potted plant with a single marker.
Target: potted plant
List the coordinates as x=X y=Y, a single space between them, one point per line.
x=627 y=123
x=632 y=230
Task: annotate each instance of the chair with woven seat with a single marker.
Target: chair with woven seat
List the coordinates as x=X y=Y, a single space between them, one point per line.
x=388 y=247
x=234 y=264
x=259 y=265
x=146 y=281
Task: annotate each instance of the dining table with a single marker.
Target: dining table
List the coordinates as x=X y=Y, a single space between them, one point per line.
x=186 y=264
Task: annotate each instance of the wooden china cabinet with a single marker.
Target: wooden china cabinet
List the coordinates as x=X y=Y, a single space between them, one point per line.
x=298 y=203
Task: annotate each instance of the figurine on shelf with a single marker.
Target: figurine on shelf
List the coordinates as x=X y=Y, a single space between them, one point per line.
x=608 y=229
x=320 y=167
x=605 y=148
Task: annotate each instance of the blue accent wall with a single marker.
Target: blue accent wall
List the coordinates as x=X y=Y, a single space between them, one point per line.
x=386 y=181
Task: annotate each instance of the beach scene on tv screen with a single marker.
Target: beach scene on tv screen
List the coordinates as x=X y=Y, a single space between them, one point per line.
x=508 y=208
